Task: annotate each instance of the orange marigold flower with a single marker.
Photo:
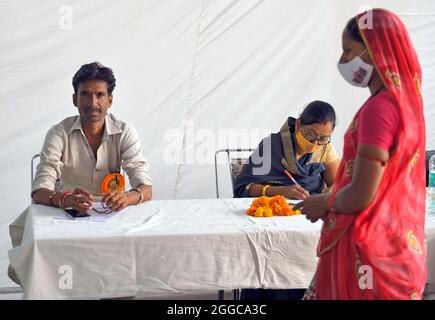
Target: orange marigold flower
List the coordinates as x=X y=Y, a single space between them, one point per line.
x=276 y=209
x=271 y=206
x=259 y=212
x=268 y=212
x=287 y=211
x=251 y=211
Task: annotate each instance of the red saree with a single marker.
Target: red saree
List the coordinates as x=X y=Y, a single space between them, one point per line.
x=380 y=253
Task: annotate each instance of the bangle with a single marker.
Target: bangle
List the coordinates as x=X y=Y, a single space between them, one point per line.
x=51 y=198
x=263 y=190
x=140 y=194
x=62 y=199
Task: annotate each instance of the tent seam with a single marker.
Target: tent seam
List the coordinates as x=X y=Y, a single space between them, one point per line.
x=189 y=100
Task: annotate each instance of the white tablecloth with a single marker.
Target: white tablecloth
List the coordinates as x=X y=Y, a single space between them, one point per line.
x=163 y=247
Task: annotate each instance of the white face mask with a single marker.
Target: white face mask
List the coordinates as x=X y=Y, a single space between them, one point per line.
x=356 y=72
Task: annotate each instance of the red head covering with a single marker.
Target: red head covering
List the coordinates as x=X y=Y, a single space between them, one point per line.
x=389 y=235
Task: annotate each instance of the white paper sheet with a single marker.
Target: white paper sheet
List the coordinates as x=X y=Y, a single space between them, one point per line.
x=97 y=215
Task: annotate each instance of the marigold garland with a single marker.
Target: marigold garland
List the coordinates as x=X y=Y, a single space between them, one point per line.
x=271 y=206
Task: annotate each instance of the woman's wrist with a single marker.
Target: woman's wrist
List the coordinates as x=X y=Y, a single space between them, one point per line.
x=264 y=189
x=330 y=199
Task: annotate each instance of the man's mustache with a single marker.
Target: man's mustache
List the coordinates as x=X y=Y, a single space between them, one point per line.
x=91 y=109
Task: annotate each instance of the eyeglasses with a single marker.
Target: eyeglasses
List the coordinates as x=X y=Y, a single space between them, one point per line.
x=106 y=209
x=323 y=140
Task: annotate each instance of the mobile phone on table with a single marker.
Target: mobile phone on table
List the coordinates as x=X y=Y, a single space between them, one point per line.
x=75 y=213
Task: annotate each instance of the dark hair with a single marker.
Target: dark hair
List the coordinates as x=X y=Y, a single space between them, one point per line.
x=352 y=28
x=94 y=71
x=318 y=112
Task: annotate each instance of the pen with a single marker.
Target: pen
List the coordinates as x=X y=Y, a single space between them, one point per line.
x=291 y=178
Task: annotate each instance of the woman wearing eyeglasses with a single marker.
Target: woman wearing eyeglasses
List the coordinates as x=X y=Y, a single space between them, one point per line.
x=302 y=148
x=372 y=243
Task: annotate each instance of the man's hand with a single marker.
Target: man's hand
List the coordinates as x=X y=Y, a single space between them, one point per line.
x=80 y=200
x=115 y=200
x=294 y=192
x=314 y=207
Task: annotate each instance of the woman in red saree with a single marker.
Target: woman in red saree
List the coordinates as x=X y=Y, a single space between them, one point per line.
x=372 y=243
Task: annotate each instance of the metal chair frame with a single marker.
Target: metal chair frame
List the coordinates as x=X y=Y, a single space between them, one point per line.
x=232 y=162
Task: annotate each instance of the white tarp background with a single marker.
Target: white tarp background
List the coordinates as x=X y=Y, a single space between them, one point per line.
x=193 y=76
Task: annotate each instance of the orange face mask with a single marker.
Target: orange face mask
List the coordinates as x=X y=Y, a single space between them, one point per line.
x=305 y=145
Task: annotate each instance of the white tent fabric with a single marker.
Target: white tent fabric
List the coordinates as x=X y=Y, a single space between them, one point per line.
x=193 y=76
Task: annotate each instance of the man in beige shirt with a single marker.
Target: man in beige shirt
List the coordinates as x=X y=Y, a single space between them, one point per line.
x=80 y=151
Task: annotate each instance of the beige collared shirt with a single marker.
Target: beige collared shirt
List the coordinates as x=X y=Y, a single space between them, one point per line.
x=68 y=162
